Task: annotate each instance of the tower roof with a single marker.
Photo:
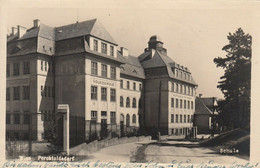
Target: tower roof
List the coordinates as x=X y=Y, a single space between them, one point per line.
x=155 y=38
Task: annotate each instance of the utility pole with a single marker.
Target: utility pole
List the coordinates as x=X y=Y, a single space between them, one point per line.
x=213 y=117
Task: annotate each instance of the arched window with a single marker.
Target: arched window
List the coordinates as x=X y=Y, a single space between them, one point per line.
x=121 y=101
x=134 y=119
x=177 y=73
x=127 y=120
x=134 y=103
x=181 y=74
x=185 y=77
x=127 y=102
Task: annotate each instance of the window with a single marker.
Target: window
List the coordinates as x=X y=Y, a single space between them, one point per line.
x=188 y=118
x=128 y=85
x=45 y=91
x=134 y=119
x=176 y=118
x=94 y=116
x=104 y=48
x=95 y=45
x=180 y=118
x=93 y=68
x=191 y=104
x=127 y=120
x=8 y=70
x=26 y=92
x=112 y=50
x=16 y=118
x=177 y=103
x=134 y=86
x=7 y=94
x=8 y=119
x=184 y=119
x=17 y=93
x=93 y=92
x=45 y=66
x=188 y=104
x=26 y=119
x=172 y=102
x=184 y=104
x=177 y=73
x=104 y=94
x=181 y=74
x=104 y=70
x=191 y=118
x=185 y=89
x=112 y=117
x=177 y=88
x=185 y=76
x=192 y=91
x=42 y=90
x=172 y=118
x=121 y=101
x=140 y=86
x=26 y=67
x=42 y=65
x=180 y=103
x=49 y=91
x=127 y=102
x=172 y=87
x=134 y=103
x=103 y=113
x=113 y=72
x=16 y=69
x=121 y=84
x=188 y=90
x=181 y=88
x=112 y=95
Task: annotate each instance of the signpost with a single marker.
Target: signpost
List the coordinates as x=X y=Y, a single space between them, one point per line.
x=64 y=109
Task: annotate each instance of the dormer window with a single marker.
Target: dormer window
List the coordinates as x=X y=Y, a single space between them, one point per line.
x=95 y=45
x=104 y=48
x=112 y=50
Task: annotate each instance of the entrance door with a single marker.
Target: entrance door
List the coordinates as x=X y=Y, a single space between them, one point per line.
x=60 y=131
x=122 y=131
x=103 y=132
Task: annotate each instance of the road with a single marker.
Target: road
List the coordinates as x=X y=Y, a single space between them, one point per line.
x=163 y=152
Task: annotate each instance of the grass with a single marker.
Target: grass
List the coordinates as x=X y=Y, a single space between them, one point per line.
x=235 y=139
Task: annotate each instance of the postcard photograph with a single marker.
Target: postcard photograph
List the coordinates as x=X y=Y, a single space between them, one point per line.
x=141 y=83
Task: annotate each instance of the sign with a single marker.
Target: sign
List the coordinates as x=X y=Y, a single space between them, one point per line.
x=102 y=82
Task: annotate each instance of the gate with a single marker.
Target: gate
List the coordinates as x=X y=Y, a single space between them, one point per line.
x=103 y=132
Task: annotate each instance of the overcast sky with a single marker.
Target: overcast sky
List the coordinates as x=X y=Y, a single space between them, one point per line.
x=193 y=33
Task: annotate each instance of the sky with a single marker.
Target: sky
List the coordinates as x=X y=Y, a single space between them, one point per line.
x=192 y=32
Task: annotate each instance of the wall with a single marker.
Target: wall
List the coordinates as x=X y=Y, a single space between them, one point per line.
x=70 y=89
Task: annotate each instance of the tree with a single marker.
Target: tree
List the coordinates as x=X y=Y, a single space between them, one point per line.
x=236 y=81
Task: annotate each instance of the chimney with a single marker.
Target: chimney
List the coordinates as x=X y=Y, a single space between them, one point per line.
x=200 y=95
x=152 y=52
x=124 y=51
x=21 y=31
x=14 y=30
x=36 y=23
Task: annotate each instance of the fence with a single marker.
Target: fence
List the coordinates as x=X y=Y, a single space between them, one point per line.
x=99 y=131
x=31 y=134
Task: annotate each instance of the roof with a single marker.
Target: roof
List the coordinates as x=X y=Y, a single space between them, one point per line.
x=89 y=27
x=209 y=101
x=155 y=59
x=201 y=108
x=131 y=66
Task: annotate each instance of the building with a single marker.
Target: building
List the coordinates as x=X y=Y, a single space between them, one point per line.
x=109 y=92
x=205 y=113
